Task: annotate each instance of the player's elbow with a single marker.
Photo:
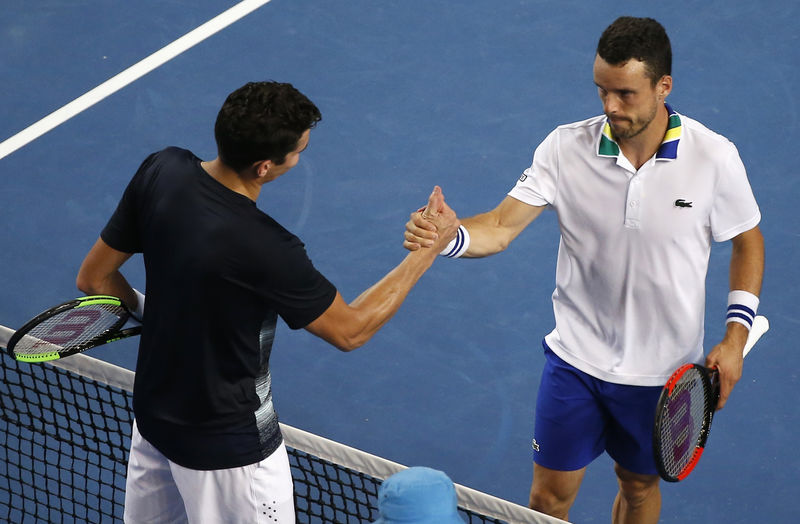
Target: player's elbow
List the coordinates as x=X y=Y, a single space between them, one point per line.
x=90 y=283
x=502 y=243
x=348 y=347
x=338 y=331
x=343 y=343
x=349 y=342
x=352 y=331
x=349 y=326
x=85 y=283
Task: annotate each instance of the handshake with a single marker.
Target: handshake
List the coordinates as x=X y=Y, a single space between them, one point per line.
x=436 y=227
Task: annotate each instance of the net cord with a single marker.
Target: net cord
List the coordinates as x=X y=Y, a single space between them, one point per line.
x=332 y=451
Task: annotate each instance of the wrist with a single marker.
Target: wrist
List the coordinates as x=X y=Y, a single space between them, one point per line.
x=742 y=308
x=458 y=246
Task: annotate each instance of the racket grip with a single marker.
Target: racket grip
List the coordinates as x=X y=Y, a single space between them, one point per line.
x=760 y=326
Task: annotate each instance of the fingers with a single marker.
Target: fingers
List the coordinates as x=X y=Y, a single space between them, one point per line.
x=446 y=225
x=447 y=211
x=435 y=203
x=724 y=392
x=445 y=220
x=411 y=246
x=727 y=360
x=433 y=226
x=727 y=381
x=417 y=221
x=420 y=230
x=419 y=233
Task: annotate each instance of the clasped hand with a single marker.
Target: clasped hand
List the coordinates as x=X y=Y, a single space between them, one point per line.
x=433 y=226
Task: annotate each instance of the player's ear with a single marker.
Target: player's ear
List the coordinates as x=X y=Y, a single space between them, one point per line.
x=664 y=86
x=262 y=168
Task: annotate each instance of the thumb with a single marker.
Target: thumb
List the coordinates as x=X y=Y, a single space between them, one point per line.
x=435 y=203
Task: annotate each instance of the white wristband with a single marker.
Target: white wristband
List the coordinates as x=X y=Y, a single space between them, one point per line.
x=139 y=312
x=459 y=245
x=742 y=307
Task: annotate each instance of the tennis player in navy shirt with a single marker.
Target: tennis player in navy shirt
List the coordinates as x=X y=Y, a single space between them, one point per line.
x=206 y=444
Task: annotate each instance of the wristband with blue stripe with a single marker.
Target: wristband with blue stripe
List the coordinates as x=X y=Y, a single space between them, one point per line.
x=458 y=246
x=742 y=307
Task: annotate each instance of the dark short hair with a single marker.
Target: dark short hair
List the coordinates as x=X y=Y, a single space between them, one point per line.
x=262 y=121
x=643 y=39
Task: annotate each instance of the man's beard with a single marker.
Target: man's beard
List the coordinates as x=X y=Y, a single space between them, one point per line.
x=634 y=130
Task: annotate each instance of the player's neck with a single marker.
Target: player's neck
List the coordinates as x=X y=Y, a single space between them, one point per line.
x=231 y=179
x=641 y=148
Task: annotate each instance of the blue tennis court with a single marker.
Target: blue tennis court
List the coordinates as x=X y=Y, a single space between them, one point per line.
x=413 y=94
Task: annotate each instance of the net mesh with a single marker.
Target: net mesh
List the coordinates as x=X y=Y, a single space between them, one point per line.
x=64 y=438
x=63 y=445
x=324 y=492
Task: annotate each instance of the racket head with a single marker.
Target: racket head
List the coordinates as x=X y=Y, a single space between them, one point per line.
x=69 y=328
x=683 y=419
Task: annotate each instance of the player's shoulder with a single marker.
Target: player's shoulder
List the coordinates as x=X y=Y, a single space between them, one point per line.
x=698 y=132
x=592 y=125
x=580 y=134
x=170 y=159
x=167 y=168
x=173 y=154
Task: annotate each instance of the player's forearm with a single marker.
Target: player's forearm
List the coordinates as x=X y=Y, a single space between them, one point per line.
x=746 y=274
x=376 y=305
x=493 y=232
x=99 y=274
x=747 y=262
x=486 y=237
x=113 y=284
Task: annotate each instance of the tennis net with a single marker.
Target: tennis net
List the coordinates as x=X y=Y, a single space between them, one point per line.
x=64 y=437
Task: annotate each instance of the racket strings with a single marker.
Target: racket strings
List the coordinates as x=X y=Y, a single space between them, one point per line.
x=71 y=329
x=683 y=421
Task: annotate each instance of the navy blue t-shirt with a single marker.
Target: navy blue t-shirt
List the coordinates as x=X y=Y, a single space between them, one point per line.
x=219 y=273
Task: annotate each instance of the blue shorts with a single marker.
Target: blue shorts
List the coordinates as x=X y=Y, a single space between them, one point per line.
x=579 y=416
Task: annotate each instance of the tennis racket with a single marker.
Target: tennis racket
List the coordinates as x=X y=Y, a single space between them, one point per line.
x=72 y=327
x=685 y=411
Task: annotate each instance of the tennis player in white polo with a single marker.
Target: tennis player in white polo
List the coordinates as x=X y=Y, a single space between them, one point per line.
x=640 y=193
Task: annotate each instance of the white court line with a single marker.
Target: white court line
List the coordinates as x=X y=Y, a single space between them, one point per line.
x=128 y=76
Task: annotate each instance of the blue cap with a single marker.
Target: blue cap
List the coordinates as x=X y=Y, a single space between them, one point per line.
x=418 y=495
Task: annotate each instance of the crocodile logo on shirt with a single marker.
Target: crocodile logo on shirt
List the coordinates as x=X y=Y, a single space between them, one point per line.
x=682 y=203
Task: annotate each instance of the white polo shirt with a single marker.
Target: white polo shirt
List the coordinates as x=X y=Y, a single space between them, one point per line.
x=630 y=279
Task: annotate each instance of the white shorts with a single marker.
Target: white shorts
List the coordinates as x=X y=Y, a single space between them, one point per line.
x=158 y=491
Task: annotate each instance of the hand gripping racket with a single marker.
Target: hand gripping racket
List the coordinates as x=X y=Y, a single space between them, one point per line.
x=685 y=411
x=72 y=327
